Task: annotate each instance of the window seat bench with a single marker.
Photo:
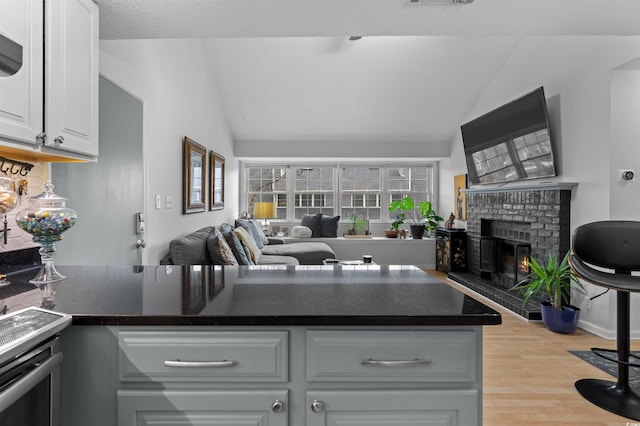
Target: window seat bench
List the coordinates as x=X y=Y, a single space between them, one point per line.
x=385 y=251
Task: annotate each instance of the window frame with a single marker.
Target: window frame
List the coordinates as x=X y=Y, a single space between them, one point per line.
x=384 y=194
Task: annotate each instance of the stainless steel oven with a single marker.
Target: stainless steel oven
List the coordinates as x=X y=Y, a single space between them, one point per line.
x=30 y=361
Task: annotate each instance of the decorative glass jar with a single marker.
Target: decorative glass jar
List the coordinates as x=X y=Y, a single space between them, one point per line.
x=8 y=197
x=8 y=201
x=46 y=218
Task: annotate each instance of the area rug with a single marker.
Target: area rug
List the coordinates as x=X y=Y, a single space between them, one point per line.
x=611 y=367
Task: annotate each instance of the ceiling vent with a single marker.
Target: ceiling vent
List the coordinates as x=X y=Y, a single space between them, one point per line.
x=441 y=2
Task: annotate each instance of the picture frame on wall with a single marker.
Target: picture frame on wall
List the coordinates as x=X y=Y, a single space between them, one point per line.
x=194 y=176
x=460 y=183
x=216 y=181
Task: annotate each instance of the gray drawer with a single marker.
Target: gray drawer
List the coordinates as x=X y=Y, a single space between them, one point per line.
x=420 y=356
x=200 y=356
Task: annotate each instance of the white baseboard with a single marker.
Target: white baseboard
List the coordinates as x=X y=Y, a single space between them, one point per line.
x=604 y=333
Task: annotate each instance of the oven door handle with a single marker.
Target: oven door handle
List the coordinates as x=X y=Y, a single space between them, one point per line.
x=29 y=381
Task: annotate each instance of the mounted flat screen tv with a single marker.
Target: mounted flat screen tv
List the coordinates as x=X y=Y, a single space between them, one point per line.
x=512 y=142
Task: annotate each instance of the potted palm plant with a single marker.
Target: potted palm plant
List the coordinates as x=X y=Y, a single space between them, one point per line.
x=552 y=284
x=358 y=225
x=421 y=217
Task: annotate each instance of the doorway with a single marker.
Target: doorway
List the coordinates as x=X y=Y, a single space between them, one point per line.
x=108 y=194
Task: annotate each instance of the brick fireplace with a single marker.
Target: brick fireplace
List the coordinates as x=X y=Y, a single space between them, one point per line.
x=506 y=225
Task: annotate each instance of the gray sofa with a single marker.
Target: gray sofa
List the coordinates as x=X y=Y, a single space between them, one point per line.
x=192 y=249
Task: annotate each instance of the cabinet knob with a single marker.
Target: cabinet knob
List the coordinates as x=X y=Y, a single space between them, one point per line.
x=277 y=406
x=59 y=140
x=41 y=138
x=317 y=406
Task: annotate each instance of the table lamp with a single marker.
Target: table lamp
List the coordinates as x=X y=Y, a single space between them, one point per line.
x=264 y=211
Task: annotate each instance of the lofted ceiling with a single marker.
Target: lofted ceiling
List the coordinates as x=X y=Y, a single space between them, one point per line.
x=287 y=71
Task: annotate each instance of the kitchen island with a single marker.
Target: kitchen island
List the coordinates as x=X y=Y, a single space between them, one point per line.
x=271 y=345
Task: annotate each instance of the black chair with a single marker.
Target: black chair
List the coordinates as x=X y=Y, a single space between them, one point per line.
x=614 y=245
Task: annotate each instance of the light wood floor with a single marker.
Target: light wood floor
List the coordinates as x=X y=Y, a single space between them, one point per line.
x=529 y=374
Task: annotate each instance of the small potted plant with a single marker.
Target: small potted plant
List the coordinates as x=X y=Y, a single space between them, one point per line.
x=395 y=227
x=552 y=284
x=357 y=224
x=421 y=217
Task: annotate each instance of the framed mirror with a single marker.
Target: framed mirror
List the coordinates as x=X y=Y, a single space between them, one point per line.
x=216 y=181
x=193 y=176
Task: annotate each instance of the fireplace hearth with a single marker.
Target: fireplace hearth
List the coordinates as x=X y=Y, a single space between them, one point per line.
x=506 y=226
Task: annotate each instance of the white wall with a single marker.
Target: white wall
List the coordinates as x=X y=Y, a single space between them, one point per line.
x=625 y=153
x=576 y=75
x=174 y=81
x=625 y=146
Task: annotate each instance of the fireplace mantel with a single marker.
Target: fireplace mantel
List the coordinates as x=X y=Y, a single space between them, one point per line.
x=526 y=186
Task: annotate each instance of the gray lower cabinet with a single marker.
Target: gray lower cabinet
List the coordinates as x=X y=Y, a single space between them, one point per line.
x=197 y=360
x=270 y=375
x=392 y=408
x=202 y=407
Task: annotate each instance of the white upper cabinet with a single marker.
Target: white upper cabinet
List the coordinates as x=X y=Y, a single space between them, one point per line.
x=21 y=86
x=49 y=106
x=71 y=76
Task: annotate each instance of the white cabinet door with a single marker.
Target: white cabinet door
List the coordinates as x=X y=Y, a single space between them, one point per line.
x=21 y=115
x=393 y=408
x=71 y=77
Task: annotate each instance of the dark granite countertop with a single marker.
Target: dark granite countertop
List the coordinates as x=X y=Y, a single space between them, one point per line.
x=377 y=295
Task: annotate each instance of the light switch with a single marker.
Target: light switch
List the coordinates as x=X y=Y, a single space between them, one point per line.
x=158 y=202
x=168 y=203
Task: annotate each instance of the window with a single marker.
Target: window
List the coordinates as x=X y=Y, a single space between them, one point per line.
x=335 y=189
x=313 y=191
x=268 y=184
x=361 y=189
x=412 y=182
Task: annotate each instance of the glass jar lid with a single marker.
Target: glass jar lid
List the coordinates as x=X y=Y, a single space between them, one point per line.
x=47 y=198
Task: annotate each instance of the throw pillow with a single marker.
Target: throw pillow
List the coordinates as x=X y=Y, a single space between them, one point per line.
x=219 y=250
x=235 y=244
x=300 y=231
x=253 y=231
x=312 y=221
x=263 y=237
x=246 y=250
x=253 y=250
x=329 y=226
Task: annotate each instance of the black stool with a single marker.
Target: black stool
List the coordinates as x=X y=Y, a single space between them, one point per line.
x=613 y=245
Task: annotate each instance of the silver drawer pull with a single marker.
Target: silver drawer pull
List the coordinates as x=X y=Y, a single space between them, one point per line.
x=199 y=364
x=395 y=363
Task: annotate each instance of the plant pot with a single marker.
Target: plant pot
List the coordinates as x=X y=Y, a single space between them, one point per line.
x=417 y=231
x=391 y=233
x=563 y=321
